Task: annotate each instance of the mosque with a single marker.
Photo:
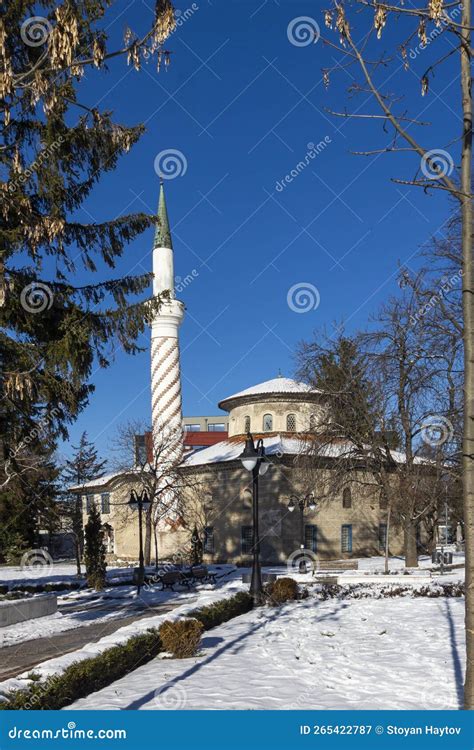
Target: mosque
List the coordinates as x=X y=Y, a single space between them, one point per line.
x=204 y=483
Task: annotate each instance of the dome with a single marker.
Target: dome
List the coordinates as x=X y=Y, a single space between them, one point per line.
x=277 y=386
x=277 y=405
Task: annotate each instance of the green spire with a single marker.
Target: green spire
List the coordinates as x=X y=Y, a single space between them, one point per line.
x=162 y=231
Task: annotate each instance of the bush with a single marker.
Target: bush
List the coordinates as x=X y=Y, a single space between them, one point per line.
x=226 y=609
x=87 y=676
x=181 y=637
x=282 y=590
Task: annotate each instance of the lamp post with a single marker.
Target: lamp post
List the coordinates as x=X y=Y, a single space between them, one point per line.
x=309 y=502
x=253 y=459
x=141 y=501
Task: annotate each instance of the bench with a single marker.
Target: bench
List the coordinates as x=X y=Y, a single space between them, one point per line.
x=201 y=573
x=335 y=566
x=172 y=577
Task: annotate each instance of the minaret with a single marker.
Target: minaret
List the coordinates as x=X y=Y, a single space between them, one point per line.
x=165 y=366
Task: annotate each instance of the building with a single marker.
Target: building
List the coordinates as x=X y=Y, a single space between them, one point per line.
x=215 y=493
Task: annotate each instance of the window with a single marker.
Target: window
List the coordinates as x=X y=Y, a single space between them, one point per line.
x=382 y=536
x=89 y=502
x=267 y=422
x=216 y=427
x=192 y=428
x=312 y=422
x=208 y=544
x=291 y=423
x=347 y=498
x=246 y=539
x=140 y=450
x=246 y=424
x=346 y=538
x=383 y=503
x=105 y=502
x=311 y=537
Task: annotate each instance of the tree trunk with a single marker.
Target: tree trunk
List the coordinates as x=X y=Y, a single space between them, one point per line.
x=468 y=316
x=387 y=546
x=411 y=552
x=155 y=536
x=77 y=550
x=147 y=546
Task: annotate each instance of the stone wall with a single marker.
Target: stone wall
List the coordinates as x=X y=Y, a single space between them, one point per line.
x=305 y=414
x=231 y=508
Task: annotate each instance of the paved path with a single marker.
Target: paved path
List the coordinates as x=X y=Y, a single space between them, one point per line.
x=24 y=656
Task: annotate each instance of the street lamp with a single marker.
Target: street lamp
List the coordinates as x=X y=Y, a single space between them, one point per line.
x=309 y=502
x=141 y=501
x=253 y=459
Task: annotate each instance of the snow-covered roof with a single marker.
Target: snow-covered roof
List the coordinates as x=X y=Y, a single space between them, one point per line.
x=102 y=481
x=280 y=445
x=276 y=385
x=230 y=450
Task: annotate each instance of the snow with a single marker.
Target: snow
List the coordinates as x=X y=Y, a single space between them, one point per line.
x=400 y=653
x=280 y=445
x=227 y=586
x=276 y=385
x=302 y=650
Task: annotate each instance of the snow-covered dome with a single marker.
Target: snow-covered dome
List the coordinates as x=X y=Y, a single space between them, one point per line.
x=279 y=404
x=280 y=385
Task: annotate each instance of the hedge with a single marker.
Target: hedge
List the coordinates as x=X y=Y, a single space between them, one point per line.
x=88 y=676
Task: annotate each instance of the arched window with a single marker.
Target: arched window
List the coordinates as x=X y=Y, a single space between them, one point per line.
x=312 y=422
x=267 y=422
x=246 y=424
x=347 y=498
x=291 y=423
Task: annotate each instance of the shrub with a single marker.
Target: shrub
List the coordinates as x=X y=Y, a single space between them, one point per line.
x=226 y=609
x=181 y=637
x=85 y=677
x=282 y=590
x=94 y=550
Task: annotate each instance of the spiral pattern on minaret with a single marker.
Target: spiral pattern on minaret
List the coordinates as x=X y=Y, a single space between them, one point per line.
x=166 y=399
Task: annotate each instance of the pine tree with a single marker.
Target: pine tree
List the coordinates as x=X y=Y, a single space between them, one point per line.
x=55 y=149
x=83 y=467
x=28 y=500
x=94 y=554
x=341 y=372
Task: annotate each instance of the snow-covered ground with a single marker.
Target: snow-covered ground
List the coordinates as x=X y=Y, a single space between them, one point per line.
x=400 y=653
x=312 y=652
x=202 y=595
x=84 y=607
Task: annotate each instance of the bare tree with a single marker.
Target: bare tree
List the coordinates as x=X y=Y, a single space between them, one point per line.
x=433 y=173
x=156 y=474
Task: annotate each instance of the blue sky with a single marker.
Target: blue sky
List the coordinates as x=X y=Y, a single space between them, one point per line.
x=241 y=103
